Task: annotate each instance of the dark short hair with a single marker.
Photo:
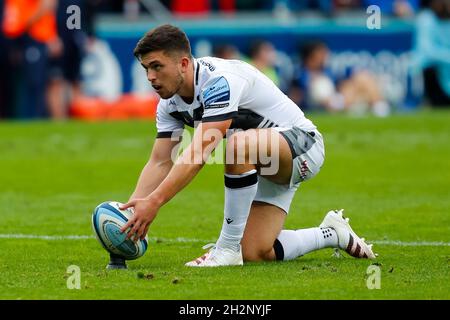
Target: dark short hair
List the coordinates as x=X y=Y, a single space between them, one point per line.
x=310 y=47
x=166 y=38
x=256 y=46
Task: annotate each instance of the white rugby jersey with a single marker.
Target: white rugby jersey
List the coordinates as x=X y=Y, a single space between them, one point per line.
x=230 y=89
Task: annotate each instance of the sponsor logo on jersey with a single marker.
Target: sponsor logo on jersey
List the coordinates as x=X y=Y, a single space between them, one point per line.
x=217 y=106
x=209 y=65
x=217 y=95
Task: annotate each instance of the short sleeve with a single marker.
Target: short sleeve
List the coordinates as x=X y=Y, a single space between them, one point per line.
x=221 y=96
x=166 y=124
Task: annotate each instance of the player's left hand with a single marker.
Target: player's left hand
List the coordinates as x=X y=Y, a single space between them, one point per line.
x=145 y=211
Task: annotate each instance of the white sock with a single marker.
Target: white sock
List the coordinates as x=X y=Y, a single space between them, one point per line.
x=291 y=244
x=240 y=190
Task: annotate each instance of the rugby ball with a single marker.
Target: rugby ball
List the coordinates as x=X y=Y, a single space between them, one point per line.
x=107 y=220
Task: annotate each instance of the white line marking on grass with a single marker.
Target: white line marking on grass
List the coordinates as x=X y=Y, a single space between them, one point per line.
x=193 y=240
x=82 y=237
x=44 y=237
x=180 y=240
x=411 y=244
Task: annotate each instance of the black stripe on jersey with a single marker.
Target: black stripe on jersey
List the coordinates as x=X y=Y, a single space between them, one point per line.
x=247 y=119
x=196 y=73
x=221 y=117
x=183 y=116
x=268 y=124
x=187 y=118
x=177 y=115
x=263 y=123
x=198 y=113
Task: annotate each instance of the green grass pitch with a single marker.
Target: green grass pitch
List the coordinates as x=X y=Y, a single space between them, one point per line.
x=392 y=176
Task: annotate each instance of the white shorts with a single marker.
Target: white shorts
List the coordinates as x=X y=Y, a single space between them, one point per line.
x=308 y=154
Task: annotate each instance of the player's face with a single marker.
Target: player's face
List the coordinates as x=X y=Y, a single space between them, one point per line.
x=268 y=54
x=164 y=72
x=318 y=59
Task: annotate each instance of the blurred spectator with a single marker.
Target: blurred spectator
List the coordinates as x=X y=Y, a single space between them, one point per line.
x=399 y=8
x=263 y=57
x=64 y=83
x=325 y=6
x=226 y=51
x=431 y=54
x=314 y=87
x=30 y=29
x=92 y=8
x=131 y=9
x=250 y=5
x=224 y=6
x=344 y=5
x=5 y=75
x=189 y=8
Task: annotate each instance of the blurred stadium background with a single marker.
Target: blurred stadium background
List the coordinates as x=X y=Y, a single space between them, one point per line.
x=64 y=58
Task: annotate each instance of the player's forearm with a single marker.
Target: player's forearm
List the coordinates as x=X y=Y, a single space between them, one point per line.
x=179 y=177
x=185 y=169
x=151 y=177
